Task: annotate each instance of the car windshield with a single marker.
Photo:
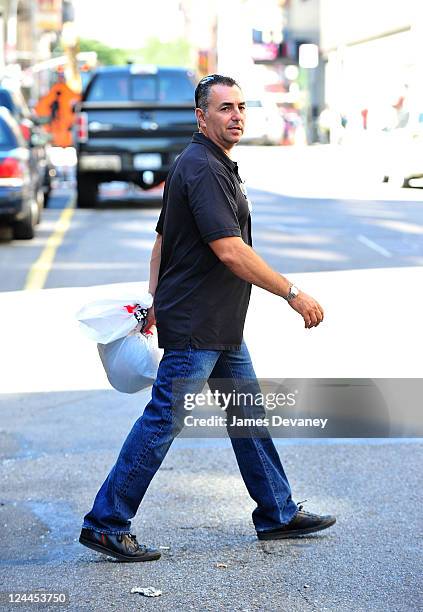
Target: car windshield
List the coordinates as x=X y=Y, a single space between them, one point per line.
x=168 y=87
x=7 y=138
x=14 y=102
x=109 y=88
x=6 y=100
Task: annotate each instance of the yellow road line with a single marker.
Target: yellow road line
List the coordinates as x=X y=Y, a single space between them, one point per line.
x=40 y=269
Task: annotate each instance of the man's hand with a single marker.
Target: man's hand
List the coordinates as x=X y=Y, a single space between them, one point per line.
x=151 y=319
x=309 y=309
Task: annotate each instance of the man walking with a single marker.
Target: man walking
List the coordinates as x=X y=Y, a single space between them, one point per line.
x=201 y=271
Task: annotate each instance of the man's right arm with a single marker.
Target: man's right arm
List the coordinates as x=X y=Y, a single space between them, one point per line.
x=154 y=276
x=244 y=262
x=155 y=264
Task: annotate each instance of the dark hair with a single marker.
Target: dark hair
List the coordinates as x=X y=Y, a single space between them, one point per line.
x=202 y=91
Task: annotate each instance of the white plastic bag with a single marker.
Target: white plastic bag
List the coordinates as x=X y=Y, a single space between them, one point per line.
x=107 y=320
x=131 y=363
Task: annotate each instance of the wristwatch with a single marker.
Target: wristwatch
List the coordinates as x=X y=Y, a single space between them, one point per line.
x=293 y=292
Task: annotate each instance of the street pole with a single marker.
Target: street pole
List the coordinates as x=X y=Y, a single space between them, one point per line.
x=308 y=61
x=304 y=83
x=71 y=46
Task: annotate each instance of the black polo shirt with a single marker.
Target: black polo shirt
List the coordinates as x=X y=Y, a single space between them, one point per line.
x=199 y=302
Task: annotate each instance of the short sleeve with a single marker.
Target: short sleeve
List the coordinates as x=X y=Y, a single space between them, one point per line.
x=211 y=198
x=160 y=222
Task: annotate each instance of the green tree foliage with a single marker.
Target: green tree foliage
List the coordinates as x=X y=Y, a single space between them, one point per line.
x=173 y=53
x=107 y=56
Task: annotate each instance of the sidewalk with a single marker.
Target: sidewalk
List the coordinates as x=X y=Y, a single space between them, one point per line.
x=62 y=426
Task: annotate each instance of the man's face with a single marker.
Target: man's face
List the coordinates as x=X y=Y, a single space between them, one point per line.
x=224 y=120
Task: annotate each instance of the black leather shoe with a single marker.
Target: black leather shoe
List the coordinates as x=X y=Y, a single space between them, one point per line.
x=123 y=546
x=302 y=524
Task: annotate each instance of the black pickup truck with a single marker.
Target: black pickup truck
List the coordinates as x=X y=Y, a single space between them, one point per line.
x=132 y=123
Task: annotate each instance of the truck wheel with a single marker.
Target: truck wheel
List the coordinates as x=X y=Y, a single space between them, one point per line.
x=87 y=192
x=24 y=229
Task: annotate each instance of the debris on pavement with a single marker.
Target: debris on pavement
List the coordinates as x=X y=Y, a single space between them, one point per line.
x=306 y=586
x=222 y=565
x=147 y=591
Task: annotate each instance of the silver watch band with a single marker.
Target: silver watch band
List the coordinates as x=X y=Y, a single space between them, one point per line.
x=293 y=292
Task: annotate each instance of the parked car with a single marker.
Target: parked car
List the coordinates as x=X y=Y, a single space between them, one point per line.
x=132 y=123
x=30 y=125
x=21 y=178
x=401 y=152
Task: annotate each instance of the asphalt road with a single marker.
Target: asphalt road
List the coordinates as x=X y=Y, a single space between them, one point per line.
x=57 y=447
x=60 y=433
x=303 y=221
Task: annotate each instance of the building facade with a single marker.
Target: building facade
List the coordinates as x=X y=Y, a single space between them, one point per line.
x=29 y=29
x=373 y=54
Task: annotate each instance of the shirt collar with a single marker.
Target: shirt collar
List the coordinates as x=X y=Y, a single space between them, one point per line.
x=199 y=138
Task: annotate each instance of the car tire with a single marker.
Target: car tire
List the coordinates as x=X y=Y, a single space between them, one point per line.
x=25 y=228
x=87 y=192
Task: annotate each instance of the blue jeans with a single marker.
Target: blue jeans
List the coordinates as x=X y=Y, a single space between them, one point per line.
x=146 y=446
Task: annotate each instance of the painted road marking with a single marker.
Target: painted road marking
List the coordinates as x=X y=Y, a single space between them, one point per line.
x=373 y=245
x=40 y=269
